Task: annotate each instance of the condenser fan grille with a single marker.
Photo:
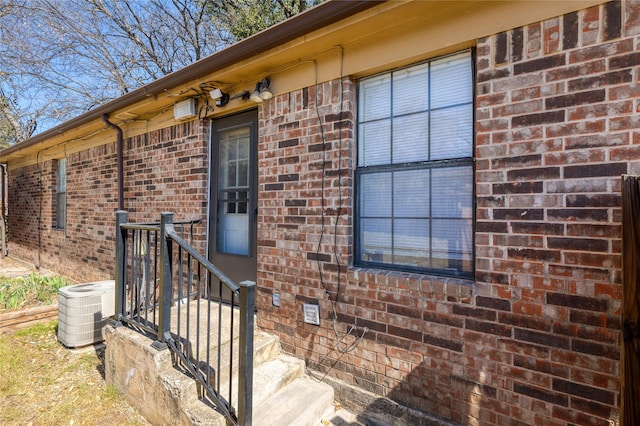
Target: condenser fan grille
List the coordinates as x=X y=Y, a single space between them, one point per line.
x=83 y=311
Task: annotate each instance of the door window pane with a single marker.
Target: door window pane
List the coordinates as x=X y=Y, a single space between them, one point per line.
x=233 y=223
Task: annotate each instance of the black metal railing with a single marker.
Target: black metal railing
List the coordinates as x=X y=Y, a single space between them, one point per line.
x=164 y=286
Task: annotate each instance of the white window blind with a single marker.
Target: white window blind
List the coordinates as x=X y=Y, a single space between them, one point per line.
x=415 y=168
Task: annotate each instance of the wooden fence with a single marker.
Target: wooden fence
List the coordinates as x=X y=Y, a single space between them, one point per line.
x=630 y=353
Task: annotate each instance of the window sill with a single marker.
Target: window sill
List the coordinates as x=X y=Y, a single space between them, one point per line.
x=451 y=289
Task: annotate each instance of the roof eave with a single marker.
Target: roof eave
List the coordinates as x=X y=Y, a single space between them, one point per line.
x=324 y=14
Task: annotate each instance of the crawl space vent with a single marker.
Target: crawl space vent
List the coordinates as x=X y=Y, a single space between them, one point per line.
x=83 y=311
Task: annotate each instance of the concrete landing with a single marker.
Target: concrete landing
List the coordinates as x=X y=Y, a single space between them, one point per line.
x=301 y=403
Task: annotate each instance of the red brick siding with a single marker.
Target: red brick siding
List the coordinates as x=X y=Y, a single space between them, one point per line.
x=534 y=340
x=291 y=158
x=31 y=195
x=165 y=170
x=414 y=341
x=555 y=130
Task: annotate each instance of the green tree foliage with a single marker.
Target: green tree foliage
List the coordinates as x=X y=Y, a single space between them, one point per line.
x=243 y=18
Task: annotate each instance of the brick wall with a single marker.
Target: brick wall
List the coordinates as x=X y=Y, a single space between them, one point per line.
x=300 y=135
x=535 y=338
x=165 y=170
x=557 y=125
x=30 y=211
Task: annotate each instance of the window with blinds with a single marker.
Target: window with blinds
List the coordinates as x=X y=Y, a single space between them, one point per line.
x=61 y=194
x=414 y=178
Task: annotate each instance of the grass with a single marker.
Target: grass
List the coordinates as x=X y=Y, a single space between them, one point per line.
x=30 y=291
x=44 y=383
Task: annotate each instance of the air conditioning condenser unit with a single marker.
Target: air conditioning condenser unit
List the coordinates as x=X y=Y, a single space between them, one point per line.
x=83 y=311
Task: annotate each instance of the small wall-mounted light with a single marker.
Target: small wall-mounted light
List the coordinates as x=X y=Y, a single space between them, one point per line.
x=216 y=94
x=265 y=92
x=262 y=91
x=224 y=98
x=220 y=97
x=255 y=96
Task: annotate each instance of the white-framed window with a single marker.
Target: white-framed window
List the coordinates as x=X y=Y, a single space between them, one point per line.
x=61 y=193
x=414 y=176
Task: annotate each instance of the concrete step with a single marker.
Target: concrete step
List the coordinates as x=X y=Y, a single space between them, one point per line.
x=266 y=347
x=302 y=403
x=211 y=314
x=268 y=378
x=281 y=396
x=272 y=376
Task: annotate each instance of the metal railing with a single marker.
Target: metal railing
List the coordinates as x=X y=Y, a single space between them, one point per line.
x=163 y=287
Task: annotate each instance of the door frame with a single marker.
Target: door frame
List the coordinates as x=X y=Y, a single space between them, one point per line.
x=230 y=122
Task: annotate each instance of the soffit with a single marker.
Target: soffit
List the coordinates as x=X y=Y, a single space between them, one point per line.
x=386 y=35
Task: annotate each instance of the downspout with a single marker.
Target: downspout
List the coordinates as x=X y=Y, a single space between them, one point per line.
x=120 y=148
x=3 y=205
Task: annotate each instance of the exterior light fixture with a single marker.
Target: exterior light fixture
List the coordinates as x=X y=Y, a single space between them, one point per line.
x=220 y=97
x=262 y=91
x=216 y=94
x=265 y=92
x=223 y=100
x=255 y=96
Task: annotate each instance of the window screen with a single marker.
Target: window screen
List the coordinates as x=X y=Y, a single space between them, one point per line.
x=61 y=194
x=415 y=168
